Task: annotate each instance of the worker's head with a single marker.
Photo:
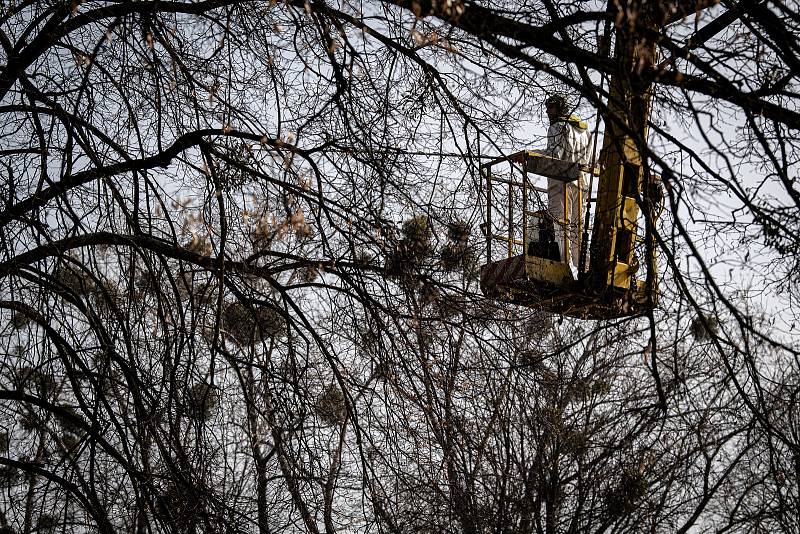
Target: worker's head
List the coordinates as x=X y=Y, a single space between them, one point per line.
x=556 y=106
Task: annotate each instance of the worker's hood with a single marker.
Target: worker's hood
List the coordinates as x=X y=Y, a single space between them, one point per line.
x=575 y=121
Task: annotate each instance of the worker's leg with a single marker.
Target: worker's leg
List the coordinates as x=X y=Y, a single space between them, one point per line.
x=555 y=205
x=575 y=219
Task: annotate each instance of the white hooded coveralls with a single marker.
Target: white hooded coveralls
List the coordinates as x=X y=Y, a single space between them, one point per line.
x=568 y=140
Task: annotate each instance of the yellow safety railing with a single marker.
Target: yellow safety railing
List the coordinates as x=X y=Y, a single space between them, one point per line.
x=519 y=162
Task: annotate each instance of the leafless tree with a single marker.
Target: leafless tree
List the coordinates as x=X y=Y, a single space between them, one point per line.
x=240 y=257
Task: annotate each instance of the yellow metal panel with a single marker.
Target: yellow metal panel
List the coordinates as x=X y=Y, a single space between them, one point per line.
x=609 y=190
x=630 y=152
x=630 y=212
x=622 y=276
x=548 y=271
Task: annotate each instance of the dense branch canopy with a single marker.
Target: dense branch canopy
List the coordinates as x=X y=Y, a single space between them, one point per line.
x=240 y=249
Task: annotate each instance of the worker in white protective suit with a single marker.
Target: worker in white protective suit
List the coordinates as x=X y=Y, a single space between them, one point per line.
x=568 y=140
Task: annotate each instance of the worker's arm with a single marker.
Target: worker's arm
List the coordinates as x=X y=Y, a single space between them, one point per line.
x=557 y=140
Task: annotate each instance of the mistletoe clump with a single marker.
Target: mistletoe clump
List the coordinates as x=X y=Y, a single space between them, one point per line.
x=202 y=401
x=456 y=254
x=704 y=327
x=330 y=406
x=73 y=279
x=623 y=498
x=413 y=248
x=248 y=324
